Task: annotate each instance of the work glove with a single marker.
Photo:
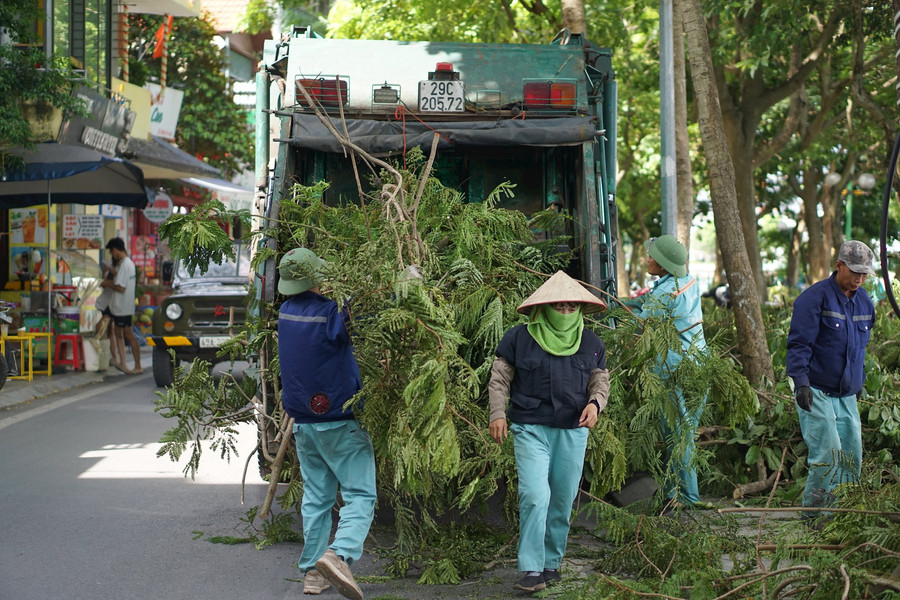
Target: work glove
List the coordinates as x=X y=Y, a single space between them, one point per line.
x=804 y=398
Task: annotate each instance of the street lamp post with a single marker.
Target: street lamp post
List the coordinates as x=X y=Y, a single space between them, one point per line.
x=865 y=182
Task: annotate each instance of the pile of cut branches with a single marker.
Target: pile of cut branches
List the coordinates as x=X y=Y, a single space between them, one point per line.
x=432 y=283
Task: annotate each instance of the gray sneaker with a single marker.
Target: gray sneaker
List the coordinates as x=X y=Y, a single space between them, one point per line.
x=337 y=571
x=314 y=583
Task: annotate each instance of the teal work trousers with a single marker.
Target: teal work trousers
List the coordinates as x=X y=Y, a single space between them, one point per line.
x=833 y=436
x=331 y=454
x=681 y=475
x=549 y=461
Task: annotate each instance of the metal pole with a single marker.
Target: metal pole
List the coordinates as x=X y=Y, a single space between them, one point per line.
x=667 y=119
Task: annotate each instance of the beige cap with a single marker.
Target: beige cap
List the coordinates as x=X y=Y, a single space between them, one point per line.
x=562 y=288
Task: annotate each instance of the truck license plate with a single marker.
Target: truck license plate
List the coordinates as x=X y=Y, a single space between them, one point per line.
x=442 y=96
x=213 y=341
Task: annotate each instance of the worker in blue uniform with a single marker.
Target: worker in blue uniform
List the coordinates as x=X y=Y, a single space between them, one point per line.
x=319 y=375
x=553 y=373
x=675 y=295
x=826 y=351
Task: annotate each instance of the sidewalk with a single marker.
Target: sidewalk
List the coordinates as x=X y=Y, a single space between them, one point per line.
x=16 y=391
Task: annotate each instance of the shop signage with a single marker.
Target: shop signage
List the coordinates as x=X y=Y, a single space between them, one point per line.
x=161 y=208
x=98 y=140
x=165 y=106
x=143 y=253
x=83 y=232
x=112 y=211
x=107 y=124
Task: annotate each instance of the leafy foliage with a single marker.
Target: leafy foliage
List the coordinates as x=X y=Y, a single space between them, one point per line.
x=425 y=336
x=210 y=126
x=23 y=87
x=198 y=236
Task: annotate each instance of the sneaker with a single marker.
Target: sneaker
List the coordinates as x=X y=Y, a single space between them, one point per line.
x=551 y=576
x=532 y=582
x=337 y=571
x=314 y=583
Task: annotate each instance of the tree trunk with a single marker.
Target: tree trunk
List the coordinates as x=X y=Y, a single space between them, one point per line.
x=683 y=174
x=816 y=254
x=794 y=258
x=742 y=156
x=573 y=15
x=751 y=331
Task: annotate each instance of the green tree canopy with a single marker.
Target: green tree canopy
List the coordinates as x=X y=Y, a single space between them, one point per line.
x=28 y=91
x=211 y=126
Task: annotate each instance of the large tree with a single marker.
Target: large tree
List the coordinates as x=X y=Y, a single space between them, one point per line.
x=754 y=74
x=756 y=359
x=211 y=126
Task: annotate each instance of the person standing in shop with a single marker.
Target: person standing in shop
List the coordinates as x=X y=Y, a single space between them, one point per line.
x=121 y=306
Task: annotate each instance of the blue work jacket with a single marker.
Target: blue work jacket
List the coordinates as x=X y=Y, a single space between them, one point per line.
x=678 y=299
x=547 y=389
x=826 y=345
x=319 y=373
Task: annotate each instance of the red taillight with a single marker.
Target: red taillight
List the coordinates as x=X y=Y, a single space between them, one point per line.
x=328 y=92
x=544 y=95
x=443 y=66
x=536 y=95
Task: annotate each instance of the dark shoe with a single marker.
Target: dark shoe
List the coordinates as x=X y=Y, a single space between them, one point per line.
x=337 y=571
x=532 y=582
x=551 y=576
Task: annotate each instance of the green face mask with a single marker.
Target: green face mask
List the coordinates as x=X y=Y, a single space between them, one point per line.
x=557 y=333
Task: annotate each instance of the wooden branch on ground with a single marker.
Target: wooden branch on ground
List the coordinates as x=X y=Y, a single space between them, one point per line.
x=809 y=509
x=754 y=487
x=276 y=471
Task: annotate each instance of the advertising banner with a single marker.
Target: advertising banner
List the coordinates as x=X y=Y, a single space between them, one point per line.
x=143 y=254
x=165 y=106
x=83 y=232
x=28 y=225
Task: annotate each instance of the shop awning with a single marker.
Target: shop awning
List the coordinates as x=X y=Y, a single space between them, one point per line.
x=218 y=185
x=65 y=174
x=231 y=194
x=159 y=159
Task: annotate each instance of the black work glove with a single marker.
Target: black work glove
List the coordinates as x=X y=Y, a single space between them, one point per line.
x=804 y=398
x=858 y=395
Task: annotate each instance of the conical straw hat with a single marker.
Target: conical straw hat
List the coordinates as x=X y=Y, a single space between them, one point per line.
x=562 y=288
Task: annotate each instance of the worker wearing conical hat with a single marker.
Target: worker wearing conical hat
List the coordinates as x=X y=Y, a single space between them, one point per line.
x=675 y=295
x=552 y=372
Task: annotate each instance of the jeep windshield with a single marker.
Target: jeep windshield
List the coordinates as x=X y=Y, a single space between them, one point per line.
x=237 y=269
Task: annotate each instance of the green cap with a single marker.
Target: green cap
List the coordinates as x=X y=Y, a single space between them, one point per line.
x=299 y=271
x=669 y=253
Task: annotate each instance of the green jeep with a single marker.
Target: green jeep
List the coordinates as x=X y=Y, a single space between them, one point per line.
x=200 y=313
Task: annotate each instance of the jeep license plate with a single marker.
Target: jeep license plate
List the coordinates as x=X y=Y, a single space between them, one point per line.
x=213 y=341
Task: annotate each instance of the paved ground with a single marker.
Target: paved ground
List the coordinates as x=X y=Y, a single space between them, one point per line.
x=16 y=391
x=492 y=584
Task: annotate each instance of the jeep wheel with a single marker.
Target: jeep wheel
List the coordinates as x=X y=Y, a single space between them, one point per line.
x=163 y=368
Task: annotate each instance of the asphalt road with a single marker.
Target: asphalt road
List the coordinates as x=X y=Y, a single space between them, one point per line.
x=89 y=512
